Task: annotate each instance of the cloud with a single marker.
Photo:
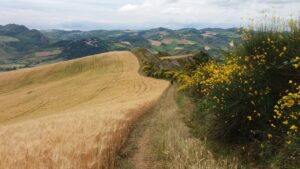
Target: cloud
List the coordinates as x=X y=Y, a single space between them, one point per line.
x=139 y=14
x=128 y=7
x=282 y=1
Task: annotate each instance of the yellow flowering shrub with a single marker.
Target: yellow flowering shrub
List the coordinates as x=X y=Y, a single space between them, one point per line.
x=287 y=113
x=254 y=93
x=208 y=75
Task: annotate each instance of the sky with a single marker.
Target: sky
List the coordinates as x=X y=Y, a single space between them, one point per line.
x=140 y=14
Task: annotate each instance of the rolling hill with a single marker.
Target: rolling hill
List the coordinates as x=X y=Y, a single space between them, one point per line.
x=175 y=42
x=22 y=47
x=72 y=114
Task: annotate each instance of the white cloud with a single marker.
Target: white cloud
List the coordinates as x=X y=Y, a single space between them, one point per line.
x=139 y=14
x=128 y=7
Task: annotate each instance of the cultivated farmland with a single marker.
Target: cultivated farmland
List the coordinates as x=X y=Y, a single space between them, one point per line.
x=73 y=114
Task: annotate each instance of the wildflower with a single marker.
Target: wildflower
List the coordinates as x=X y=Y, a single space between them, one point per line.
x=296 y=66
x=293 y=127
x=293 y=117
x=272 y=125
x=270 y=136
x=290 y=81
x=285 y=122
x=290 y=103
x=281 y=54
x=289 y=142
x=249 y=118
x=284 y=48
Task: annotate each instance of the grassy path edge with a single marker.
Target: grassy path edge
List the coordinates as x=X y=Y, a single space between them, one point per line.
x=169 y=140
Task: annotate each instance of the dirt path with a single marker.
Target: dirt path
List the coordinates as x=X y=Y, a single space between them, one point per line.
x=139 y=152
x=144 y=158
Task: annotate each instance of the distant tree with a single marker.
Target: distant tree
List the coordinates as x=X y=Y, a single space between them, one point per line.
x=201 y=57
x=162 y=54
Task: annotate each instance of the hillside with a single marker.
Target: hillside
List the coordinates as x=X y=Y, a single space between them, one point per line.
x=73 y=114
x=23 y=47
x=175 y=42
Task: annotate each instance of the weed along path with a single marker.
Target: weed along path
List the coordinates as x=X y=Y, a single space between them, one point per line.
x=73 y=114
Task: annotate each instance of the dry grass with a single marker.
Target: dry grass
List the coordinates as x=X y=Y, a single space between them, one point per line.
x=73 y=114
x=173 y=144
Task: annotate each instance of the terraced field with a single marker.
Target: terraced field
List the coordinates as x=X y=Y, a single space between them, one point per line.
x=73 y=114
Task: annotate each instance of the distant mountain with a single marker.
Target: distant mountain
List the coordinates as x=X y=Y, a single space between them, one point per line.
x=84 y=47
x=24 y=38
x=23 y=47
x=18 y=46
x=175 y=42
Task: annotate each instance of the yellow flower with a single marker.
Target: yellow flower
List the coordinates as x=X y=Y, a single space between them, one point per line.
x=285 y=122
x=249 y=118
x=293 y=127
x=290 y=103
x=290 y=81
x=270 y=136
x=289 y=142
x=284 y=48
x=272 y=125
x=296 y=66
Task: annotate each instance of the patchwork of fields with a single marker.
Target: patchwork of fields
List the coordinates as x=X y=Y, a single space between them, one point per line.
x=73 y=114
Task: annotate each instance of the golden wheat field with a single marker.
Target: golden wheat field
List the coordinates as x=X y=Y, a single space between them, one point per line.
x=73 y=114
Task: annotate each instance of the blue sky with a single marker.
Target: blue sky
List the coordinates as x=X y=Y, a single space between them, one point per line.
x=139 y=14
